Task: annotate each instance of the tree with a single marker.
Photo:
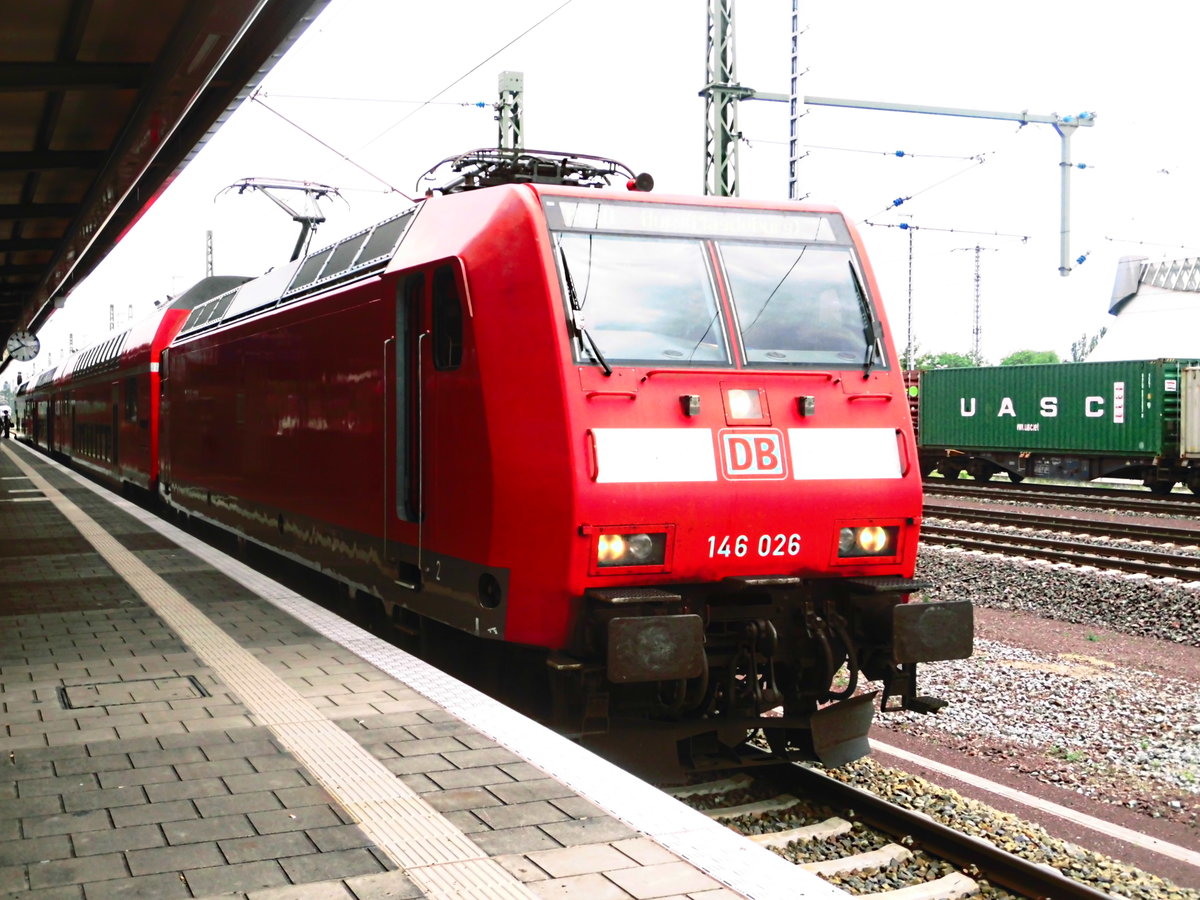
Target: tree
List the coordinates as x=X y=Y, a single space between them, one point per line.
x=944 y=361
x=1082 y=348
x=1030 y=358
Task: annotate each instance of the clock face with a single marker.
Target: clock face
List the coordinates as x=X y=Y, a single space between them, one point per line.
x=23 y=345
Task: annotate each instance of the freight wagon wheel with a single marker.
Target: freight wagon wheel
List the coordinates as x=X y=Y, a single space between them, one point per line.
x=1193 y=484
x=1161 y=488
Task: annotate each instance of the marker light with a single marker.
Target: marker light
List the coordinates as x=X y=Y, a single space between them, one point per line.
x=743 y=404
x=867 y=540
x=638 y=549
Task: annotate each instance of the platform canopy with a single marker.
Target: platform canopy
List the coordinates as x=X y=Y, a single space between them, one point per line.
x=102 y=102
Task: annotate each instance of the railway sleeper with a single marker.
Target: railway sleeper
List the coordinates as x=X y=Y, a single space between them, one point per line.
x=954 y=886
x=834 y=826
x=880 y=858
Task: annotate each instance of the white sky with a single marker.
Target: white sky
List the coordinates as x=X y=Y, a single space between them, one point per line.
x=620 y=78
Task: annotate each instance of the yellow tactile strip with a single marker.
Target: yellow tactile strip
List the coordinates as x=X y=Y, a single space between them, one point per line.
x=439 y=858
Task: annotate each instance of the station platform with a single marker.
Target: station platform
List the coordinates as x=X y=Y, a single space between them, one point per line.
x=178 y=725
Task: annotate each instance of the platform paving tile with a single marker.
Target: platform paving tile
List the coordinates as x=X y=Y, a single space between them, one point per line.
x=137 y=837
x=40 y=787
x=458 y=778
x=463 y=798
x=646 y=882
x=101 y=766
x=405 y=766
x=338 y=837
x=600 y=829
x=520 y=867
x=523 y=791
x=174 y=859
x=270 y=846
x=465 y=821
x=22 y=807
x=195 y=831
x=125 y=776
x=224 y=879
x=230 y=804
x=578 y=887
x=331 y=865
x=407 y=745
x=16 y=852
x=252 y=780
x=514 y=840
x=536 y=812
x=104 y=799
x=590 y=858
x=300 y=819
x=385 y=886
x=65 y=823
x=167 y=792
x=56 y=872
x=166 y=886
x=170 y=811
x=309 y=795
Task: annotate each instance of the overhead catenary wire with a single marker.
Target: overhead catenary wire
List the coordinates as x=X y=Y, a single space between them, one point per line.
x=391 y=188
x=480 y=104
x=906 y=226
x=466 y=74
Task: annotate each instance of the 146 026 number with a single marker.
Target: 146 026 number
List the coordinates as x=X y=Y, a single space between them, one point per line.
x=740 y=545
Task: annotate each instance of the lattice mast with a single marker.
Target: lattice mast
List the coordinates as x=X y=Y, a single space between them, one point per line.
x=721 y=94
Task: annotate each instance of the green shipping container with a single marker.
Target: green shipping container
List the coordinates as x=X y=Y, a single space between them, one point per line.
x=1087 y=408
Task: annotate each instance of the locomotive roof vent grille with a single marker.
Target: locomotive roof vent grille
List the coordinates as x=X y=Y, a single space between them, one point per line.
x=359 y=254
x=46 y=377
x=210 y=312
x=355 y=255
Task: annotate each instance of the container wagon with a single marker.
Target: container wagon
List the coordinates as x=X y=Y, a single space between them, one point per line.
x=1138 y=419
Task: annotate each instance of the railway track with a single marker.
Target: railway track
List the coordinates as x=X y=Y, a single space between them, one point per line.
x=1127 y=499
x=1125 y=559
x=1049 y=521
x=976 y=529
x=908 y=854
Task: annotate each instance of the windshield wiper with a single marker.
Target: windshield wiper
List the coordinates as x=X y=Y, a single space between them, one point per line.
x=868 y=324
x=577 y=314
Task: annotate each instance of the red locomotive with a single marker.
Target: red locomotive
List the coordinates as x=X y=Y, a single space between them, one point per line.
x=662 y=440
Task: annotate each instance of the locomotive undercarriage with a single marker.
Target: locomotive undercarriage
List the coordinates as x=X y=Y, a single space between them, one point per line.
x=676 y=676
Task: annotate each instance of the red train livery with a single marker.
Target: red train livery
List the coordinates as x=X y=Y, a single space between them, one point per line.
x=663 y=440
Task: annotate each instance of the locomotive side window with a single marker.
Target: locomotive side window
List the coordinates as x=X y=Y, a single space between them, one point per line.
x=796 y=303
x=640 y=299
x=447 y=320
x=408 y=311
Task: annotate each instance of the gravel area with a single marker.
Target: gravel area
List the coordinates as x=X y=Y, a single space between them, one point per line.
x=1115 y=721
x=1084 y=688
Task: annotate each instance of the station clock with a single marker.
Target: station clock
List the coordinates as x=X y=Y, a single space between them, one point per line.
x=23 y=345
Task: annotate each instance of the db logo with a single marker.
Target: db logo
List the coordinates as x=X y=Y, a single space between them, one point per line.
x=753 y=454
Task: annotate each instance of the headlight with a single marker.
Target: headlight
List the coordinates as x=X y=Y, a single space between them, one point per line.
x=638 y=549
x=868 y=540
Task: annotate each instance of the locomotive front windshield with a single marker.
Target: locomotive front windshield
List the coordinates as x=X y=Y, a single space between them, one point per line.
x=644 y=284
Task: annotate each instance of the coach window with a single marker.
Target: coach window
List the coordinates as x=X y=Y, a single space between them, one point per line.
x=447 y=320
x=131 y=399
